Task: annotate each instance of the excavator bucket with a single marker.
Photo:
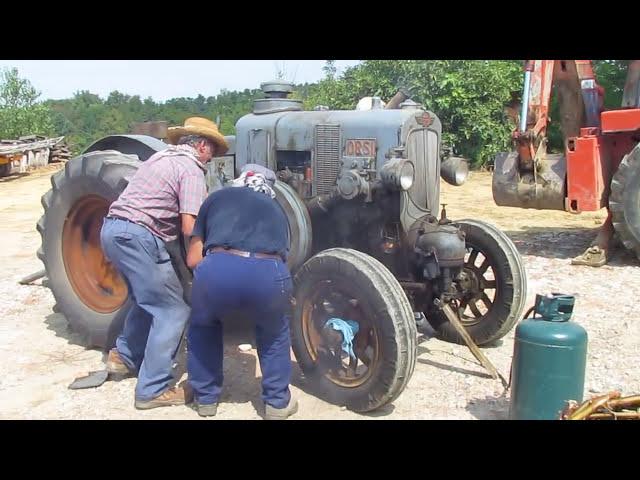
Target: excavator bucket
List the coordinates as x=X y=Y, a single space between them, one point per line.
x=542 y=189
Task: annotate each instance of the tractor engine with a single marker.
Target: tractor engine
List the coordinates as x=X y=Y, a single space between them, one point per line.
x=439 y=251
x=363 y=177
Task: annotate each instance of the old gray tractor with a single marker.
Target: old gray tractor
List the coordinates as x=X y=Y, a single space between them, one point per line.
x=361 y=192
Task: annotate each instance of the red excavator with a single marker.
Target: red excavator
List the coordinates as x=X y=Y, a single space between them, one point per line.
x=600 y=166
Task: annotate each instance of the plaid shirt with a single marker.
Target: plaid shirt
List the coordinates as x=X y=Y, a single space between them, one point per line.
x=169 y=183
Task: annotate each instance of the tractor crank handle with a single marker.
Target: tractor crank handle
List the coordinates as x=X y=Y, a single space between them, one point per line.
x=484 y=361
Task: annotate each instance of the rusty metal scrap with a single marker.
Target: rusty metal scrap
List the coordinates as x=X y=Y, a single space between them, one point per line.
x=610 y=406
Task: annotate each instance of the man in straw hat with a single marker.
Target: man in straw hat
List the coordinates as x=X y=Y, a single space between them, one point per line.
x=161 y=201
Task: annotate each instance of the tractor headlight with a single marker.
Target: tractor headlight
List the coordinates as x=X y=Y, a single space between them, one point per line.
x=454 y=170
x=398 y=174
x=407 y=174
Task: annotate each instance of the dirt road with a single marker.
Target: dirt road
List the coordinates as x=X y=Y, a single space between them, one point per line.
x=39 y=356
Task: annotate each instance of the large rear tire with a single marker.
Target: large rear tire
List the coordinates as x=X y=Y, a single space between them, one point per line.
x=351 y=285
x=495 y=288
x=624 y=201
x=87 y=288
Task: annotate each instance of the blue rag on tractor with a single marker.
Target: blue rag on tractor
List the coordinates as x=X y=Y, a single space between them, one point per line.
x=349 y=329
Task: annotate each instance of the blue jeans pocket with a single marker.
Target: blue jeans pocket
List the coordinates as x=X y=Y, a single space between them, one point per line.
x=285 y=285
x=282 y=277
x=162 y=252
x=122 y=237
x=147 y=244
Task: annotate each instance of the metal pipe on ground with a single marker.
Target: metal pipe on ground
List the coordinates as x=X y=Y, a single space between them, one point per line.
x=33 y=277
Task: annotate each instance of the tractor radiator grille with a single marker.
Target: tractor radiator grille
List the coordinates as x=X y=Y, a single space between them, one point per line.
x=327 y=158
x=422 y=150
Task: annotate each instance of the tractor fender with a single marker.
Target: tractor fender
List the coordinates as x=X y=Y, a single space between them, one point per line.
x=141 y=145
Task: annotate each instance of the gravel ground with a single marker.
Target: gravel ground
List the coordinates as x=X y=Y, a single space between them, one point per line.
x=40 y=357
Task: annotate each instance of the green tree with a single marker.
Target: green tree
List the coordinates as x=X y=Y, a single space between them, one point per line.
x=20 y=112
x=611 y=75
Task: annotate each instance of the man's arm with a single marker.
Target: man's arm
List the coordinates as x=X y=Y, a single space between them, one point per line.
x=188 y=221
x=191 y=194
x=194 y=255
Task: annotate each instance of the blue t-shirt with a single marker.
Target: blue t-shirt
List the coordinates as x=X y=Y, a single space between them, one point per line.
x=238 y=217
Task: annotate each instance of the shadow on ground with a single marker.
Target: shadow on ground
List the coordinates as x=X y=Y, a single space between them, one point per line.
x=489 y=407
x=425 y=350
x=242 y=375
x=57 y=323
x=565 y=243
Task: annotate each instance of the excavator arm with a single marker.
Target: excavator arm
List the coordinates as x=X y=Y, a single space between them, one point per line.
x=580 y=100
x=528 y=176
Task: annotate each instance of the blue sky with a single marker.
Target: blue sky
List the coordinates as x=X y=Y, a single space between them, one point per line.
x=161 y=79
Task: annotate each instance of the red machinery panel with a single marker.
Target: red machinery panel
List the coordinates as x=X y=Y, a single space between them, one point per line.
x=621 y=120
x=585 y=174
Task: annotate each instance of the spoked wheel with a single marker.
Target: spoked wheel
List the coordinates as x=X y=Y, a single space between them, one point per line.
x=354 y=287
x=492 y=287
x=477 y=285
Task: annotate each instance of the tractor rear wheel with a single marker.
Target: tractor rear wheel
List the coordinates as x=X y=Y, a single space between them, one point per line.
x=88 y=290
x=350 y=285
x=624 y=201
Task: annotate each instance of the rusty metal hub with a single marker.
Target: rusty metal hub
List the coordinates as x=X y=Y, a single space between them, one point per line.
x=329 y=300
x=94 y=279
x=477 y=283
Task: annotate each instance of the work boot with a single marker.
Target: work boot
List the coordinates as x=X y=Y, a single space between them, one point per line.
x=172 y=396
x=593 y=256
x=116 y=366
x=272 y=413
x=207 y=409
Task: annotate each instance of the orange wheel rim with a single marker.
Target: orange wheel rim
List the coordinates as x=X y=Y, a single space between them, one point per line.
x=353 y=373
x=93 y=278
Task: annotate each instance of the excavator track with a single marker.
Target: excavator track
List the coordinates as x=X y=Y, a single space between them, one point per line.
x=624 y=201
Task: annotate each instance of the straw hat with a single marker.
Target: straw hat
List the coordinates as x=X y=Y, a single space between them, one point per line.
x=202 y=127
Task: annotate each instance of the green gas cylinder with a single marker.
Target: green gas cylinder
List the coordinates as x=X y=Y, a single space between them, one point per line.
x=549 y=360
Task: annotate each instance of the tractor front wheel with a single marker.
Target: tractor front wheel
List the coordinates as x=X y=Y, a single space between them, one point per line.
x=348 y=285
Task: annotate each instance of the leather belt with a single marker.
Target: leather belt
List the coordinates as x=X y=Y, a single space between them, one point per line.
x=242 y=253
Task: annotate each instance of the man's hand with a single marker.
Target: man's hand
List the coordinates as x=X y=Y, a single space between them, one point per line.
x=194 y=255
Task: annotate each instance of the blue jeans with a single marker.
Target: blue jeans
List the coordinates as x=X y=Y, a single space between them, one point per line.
x=258 y=287
x=149 y=340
